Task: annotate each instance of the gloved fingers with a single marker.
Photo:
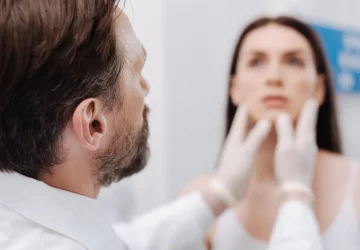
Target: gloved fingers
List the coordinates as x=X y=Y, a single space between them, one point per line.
x=256 y=136
x=306 y=127
x=284 y=129
x=238 y=127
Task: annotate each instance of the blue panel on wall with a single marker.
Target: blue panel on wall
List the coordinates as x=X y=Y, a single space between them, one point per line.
x=343 y=51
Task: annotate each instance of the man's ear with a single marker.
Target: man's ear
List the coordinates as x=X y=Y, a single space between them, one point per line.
x=89 y=123
x=320 y=89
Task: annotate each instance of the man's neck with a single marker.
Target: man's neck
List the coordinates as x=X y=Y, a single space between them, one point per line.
x=72 y=177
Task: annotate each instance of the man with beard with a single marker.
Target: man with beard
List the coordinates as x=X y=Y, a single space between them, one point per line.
x=73 y=119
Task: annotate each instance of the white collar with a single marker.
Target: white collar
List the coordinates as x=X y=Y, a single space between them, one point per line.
x=75 y=216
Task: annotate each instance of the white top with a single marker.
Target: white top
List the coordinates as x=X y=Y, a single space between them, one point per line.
x=343 y=233
x=35 y=216
x=295 y=228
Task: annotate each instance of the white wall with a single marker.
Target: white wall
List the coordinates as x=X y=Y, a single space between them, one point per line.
x=189 y=45
x=200 y=38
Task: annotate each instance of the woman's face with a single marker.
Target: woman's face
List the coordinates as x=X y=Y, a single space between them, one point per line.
x=276 y=72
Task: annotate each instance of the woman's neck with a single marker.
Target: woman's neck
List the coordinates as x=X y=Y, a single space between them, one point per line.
x=263 y=172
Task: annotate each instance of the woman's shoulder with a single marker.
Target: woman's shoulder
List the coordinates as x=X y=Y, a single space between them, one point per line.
x=327 y=159
x=338 y=173
x=332 y=169
x=197 y=184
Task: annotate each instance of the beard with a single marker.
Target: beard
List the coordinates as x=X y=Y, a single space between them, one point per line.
x=125 y=156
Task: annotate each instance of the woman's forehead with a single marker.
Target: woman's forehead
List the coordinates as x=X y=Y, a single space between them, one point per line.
x=275 y=38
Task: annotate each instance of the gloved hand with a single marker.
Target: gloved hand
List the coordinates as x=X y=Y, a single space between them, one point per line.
x=237 y=156
x=295 y=153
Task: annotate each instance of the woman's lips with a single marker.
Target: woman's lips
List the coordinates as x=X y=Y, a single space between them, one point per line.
x=275 y=101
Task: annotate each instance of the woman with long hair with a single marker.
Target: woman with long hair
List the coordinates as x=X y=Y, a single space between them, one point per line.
x=278 y=64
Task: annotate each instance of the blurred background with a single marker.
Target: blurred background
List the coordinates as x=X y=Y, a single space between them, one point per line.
x=189 y=44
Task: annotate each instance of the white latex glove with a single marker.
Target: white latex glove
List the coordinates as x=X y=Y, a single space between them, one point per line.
x=239 y=152
x=295 y=153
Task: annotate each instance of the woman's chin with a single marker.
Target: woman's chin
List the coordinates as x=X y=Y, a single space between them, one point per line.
x=270 y=115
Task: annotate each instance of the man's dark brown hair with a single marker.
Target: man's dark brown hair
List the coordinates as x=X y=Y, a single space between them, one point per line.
x=53 y=55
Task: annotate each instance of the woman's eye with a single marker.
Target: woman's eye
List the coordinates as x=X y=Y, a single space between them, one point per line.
x=255 y=62
x=295 y=61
